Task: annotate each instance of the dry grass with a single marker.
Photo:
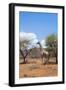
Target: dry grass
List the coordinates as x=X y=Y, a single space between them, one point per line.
x=35 y=68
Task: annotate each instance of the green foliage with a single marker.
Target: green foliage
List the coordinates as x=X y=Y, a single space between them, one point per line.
x=51 y=43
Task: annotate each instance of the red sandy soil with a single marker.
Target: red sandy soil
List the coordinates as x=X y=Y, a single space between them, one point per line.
x=35 y=68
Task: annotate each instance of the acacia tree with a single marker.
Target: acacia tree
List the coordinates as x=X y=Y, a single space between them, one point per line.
x=27 y=42
x=24 y=49
x=51 y=43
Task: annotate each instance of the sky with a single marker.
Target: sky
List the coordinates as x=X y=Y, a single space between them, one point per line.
x=41 y=24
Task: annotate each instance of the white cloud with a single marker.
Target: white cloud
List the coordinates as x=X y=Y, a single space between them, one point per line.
x=43 y=43
x=27 y=36
x=32 y=37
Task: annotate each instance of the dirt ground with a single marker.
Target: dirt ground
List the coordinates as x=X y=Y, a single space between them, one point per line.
x=35 y=68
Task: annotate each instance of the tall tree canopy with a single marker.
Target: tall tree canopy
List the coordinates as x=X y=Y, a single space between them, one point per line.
x=27 y=41
x=51 y=43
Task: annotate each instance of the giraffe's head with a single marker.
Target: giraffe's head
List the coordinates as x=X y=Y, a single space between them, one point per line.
x=38 y=43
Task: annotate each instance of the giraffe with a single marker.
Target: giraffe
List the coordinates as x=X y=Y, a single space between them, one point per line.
x=44 y=54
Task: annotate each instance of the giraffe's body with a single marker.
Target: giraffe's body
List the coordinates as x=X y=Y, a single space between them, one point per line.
x=44 y=51
x=44 y=54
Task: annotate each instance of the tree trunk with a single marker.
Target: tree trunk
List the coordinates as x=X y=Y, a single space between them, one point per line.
x=24 y=60
x=56 y=60
x=25 y=56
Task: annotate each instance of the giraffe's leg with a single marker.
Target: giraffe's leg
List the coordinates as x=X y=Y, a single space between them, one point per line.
x=42 y=59
x=47 y=59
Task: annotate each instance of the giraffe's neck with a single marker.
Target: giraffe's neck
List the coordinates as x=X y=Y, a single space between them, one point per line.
x=40 y=47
